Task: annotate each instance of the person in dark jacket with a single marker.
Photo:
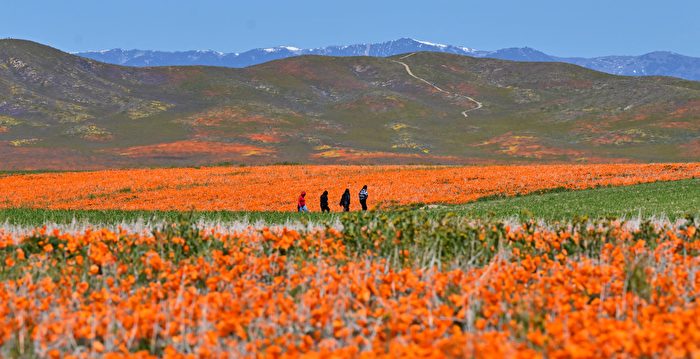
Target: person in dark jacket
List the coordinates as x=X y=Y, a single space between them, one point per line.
x=324 y=202
x=345 y=200
x=363 y=197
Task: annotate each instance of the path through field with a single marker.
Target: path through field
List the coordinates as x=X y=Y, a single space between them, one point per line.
x=410 y=73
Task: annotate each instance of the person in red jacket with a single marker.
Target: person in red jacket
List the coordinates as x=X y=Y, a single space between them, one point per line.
x=301 y=203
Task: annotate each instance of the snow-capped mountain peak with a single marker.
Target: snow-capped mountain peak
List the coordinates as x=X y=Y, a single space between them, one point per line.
x=430 y=43
x=654 y=63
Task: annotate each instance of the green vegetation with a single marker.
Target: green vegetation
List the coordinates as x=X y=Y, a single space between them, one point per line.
x=675 y=199
x=37 y=217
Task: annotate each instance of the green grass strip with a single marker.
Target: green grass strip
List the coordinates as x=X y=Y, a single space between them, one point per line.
x=674 y=199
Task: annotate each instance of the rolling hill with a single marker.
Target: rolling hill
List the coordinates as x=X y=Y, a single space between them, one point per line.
x=60 y=111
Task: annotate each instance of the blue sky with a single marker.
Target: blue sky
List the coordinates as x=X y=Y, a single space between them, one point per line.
x=561 y=27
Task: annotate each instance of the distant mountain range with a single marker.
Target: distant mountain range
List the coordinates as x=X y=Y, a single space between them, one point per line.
x=660 y=63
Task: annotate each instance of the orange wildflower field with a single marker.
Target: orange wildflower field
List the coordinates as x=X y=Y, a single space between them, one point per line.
x=275 y=188
x=474 y=289
x=389 y=283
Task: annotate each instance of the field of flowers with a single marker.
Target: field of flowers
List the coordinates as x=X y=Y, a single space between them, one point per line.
x=275 y=188
x=390 y=284
x=396 y=283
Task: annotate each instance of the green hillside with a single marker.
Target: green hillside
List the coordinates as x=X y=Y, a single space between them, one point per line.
x=59 y=111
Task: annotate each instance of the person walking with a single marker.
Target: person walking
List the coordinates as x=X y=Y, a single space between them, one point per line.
x=363 y=197
x=345 y=200
x=324 y=202
x=301 y=203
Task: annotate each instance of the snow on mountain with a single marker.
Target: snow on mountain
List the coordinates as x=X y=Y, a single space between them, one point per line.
x=431 y=44
x=655 y=63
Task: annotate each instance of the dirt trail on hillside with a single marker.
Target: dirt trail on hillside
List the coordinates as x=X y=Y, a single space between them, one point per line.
x=410 y=73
